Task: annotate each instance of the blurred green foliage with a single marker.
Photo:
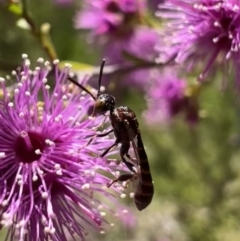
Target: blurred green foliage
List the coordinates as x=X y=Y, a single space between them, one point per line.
x=196 y=169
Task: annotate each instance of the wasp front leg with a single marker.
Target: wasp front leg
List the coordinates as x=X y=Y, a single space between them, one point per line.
x=99 y=135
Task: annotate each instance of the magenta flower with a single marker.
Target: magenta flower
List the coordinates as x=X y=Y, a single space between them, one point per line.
x=139 y=44
x=108 y=16
x=122 y=37
x=200 y=31
x=167 y=97
x=153 y=4
x=49 y=175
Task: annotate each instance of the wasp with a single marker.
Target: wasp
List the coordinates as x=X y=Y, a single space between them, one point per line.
x=125 y=127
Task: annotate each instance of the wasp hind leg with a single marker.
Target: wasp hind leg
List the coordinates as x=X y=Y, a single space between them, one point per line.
x=122 y=178
x=124 y=151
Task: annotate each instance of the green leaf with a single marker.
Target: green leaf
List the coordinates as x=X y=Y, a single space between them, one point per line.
x=87 y=68
x=76 y=66
x=15 y=8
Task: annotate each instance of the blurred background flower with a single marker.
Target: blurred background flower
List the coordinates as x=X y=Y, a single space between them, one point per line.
x=200 y=32
x=168 y=96
x=123 y=35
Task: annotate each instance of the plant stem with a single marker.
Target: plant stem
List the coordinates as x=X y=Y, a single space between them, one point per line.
x=41 y=36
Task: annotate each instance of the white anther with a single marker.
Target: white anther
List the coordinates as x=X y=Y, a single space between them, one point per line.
x=71 y=118
x=100 y=207
x=19 y=176
x=20 y=182
x=40 y=60
x=16 y=91
x=64 y=97
x=57 y=166
x=125 y=211
x=38 y=152
x=123 y=195
x=24 y=56
x=2 y=80
x=71 y=152
x=6 y=216
x=117 y=173
x=35 y=178
x=56 y=61
x=235 y=8
x=10 y=104
x=56 y=119
x=44 y=195
x=131 y=194
x=67 y=65
x=47 y=141
x=27 y=62
x=102 y=232
x=103 y=214
x=85 y=186
x=2 y=154
x=27 y=93
x=51 y=143
x=14 y=73
x=59 y=172
x=4 y=203
x=21 y=223
x=228 y=55
x=216 y=24
x=21 y=114
x=46 y=63
x=44 y=80
x=102 y=88
x=87 y=172
x=47 y=229
x=47 y=87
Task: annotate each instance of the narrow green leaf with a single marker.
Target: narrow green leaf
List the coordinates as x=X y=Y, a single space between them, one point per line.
x=15 y=8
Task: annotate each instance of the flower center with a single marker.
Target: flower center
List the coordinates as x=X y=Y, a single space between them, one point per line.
x=226 y=22
x=29 y=146
x=113 y=7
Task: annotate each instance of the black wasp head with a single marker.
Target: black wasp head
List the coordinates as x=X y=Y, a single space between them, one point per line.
x=104 y=103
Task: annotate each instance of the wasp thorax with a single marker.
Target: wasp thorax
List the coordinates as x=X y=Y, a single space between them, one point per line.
x=104 y=103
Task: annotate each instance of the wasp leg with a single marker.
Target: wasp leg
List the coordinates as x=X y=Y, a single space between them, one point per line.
x=109 y=148
x=121 y=178
x=124 y=151
x=99 y=135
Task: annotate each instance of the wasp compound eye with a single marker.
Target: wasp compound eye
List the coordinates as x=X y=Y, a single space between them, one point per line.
x=104 y=103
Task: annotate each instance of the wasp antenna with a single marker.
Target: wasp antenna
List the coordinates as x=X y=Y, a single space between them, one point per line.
x=80 y=86
x=100 y=76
